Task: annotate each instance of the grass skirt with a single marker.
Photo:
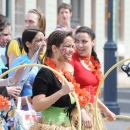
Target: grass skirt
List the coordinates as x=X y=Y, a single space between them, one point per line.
x=41 y=125
x=91 y=113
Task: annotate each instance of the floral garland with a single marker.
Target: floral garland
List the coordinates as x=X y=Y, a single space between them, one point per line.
x=3 y=101
x=95 y=67
x=82 y=94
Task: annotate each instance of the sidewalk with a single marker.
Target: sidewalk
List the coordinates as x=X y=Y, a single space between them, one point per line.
x=123 y=80
x=119 y=124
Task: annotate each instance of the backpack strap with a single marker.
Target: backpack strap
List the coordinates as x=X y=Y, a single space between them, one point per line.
x=19 y=40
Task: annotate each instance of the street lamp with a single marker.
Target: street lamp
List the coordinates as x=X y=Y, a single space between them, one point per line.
x=110 y=57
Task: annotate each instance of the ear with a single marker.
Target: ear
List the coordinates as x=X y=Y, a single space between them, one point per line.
x=54 y=49
x=93 y=42
x=28 y=44
x=71 y=14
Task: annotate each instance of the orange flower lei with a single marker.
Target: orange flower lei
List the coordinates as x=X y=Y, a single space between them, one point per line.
x=82 y=94
x=95 y=67
x=3 y=101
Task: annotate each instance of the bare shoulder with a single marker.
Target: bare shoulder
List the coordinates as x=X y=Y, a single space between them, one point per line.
x=69 y=68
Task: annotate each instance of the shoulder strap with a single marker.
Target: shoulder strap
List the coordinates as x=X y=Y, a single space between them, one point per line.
x=19 y=40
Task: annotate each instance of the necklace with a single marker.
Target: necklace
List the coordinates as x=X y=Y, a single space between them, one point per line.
x=82 y=94
x=94 y=67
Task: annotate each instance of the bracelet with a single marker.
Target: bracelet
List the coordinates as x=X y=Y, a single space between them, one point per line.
x=9 y=82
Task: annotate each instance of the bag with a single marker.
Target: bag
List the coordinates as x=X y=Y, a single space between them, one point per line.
x=24 y=119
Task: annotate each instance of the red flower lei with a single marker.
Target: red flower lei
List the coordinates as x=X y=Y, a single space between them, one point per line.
x=3 y=101
x=95 y=67
x=82 y=94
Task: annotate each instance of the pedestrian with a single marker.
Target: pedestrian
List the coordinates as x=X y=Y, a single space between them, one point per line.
x=64 y=17
x=88 y=74
x=50 y=94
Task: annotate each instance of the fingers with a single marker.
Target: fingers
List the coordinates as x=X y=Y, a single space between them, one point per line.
x=71 y=86
x=111 y=118
x=16 y=92
x=87 y=124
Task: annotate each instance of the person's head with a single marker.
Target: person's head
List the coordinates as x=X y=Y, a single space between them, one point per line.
x=35 y=19
x=85 y=41
x=32 y=39
x=64 y=12
x=5 y=30
x=60 y=45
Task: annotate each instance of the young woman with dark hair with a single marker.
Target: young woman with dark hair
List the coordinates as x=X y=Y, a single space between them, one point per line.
x=50 y=94
x=88 y=74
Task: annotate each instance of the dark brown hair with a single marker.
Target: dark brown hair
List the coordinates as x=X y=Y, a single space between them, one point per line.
x=91 y=33
x=28 y=35
x=3 y=22
x=56 y=38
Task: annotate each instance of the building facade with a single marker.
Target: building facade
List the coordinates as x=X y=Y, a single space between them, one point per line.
x=91 y=13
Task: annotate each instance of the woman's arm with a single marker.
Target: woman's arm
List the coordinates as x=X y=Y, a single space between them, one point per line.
x=110 y=115
x=7 y=82
x=12 y=57
x=13 y=79
x=41 y=102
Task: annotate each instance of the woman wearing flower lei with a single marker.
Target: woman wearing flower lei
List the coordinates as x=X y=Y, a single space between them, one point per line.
x=50 y=95
x=87 y=73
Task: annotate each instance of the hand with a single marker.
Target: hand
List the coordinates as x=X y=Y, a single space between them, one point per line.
x=110 y=115
x=67 y=88
x=14 y=91
x=87 y=122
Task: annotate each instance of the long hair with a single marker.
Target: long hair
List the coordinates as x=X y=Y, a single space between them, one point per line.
x=3 y=22
x=91 y=33
x=28 y=35
x=56 y=38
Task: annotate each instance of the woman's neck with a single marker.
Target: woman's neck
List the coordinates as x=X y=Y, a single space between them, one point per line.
x=59 y=64
x=30 y=55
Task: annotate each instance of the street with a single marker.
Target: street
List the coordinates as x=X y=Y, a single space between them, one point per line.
x=124 y=104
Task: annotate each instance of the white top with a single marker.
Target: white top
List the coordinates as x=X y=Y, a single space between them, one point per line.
x=2 y=55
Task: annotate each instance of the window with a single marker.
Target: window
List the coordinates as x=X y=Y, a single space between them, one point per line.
x=75 y=19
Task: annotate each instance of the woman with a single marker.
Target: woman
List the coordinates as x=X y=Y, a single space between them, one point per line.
x=50 y=94
x=33 y=19
x=5 y=32
x=32 y=39
x=87 y=73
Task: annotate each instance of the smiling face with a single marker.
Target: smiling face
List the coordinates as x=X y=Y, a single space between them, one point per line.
x=38 y=40
x=5 y=36
x=84 y=44
x=31 y=20
x=66 y=49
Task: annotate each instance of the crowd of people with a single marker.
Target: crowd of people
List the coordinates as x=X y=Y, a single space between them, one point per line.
x=68 y=51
